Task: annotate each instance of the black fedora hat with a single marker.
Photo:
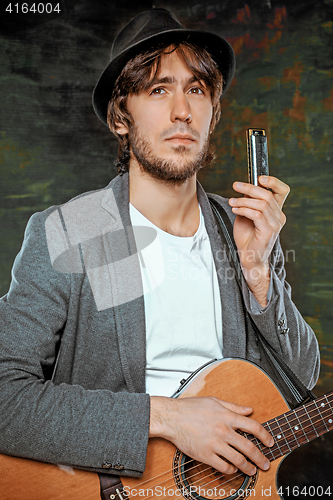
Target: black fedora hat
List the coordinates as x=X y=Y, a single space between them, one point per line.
x=147 y=29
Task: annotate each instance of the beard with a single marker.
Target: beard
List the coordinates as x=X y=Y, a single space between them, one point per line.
x=169 y=171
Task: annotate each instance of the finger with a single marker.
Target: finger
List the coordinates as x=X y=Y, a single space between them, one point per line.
x=217 y=462
x=269 y=207
x=256 y=193
x=245 y=455
x=279 y=188
x=259 y=193
x=279 y=192
x=241 y=410
x=272 y=215
x=253 y=427
x=237 y=459
x=265 y=231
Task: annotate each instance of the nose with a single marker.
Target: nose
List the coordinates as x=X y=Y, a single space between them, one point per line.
x=180 y=108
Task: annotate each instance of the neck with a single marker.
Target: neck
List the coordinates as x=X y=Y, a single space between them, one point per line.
x=299 y=426
x=172 y=208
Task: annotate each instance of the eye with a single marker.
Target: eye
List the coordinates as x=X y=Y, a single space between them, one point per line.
x=196 y=90
x=158 y=91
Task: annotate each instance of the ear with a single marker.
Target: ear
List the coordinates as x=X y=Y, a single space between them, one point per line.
x=121 y=129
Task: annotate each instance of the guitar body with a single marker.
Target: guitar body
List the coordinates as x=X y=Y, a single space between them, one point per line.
x=233 y=380
x=168 y=474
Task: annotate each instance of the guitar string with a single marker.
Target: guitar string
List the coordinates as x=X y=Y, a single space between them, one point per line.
x=253 y=439
x=322 y=427
x=172 y=484
x=290 y=431
x=309 y=420
x=203 y=486
x=222 y=484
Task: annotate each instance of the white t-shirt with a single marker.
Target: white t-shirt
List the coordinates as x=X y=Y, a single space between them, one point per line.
x=182 y=304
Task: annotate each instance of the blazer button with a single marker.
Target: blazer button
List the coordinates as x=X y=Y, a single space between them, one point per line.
x=118 y=466
x=281 y=322
x=106 y=465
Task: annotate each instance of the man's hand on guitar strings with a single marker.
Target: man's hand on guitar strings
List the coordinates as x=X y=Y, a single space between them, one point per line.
x=206 y=430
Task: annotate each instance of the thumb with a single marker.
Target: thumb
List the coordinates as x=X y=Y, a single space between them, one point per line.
x=241 y=410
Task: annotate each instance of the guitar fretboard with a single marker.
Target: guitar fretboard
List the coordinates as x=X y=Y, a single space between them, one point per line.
x=297 y=427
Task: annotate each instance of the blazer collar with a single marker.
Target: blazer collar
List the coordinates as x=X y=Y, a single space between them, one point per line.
x=118 y=191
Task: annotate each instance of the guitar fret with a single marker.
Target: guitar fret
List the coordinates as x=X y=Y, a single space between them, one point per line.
x=258 y=443
x=330 y=407
x=302 y=429
x=264 y=449
x=297 y=430
x=330 y=416
x=294 y=442
x=320 y=415
x=283 y=426
x=281 y=446
x=277 y=437
x=268 y=452
x=309 y=419
x=321 y=425
x=305 y=418
x=329 y=397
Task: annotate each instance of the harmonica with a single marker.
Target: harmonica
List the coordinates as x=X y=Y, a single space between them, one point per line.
x=257 y=154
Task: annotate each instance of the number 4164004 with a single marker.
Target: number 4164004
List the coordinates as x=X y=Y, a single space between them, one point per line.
x=305 y=491
x=35 y=8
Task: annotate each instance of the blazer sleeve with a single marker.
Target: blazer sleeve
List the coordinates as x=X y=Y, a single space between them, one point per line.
x=280 y=322
x=96 y=430
x=283 y=325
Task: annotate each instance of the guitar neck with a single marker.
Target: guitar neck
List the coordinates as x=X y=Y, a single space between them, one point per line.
x=299 y=426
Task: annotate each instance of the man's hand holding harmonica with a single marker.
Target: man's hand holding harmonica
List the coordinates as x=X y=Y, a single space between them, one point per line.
x=258 y=223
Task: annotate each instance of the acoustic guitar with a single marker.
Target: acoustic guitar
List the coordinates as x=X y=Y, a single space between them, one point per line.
x=169 y=473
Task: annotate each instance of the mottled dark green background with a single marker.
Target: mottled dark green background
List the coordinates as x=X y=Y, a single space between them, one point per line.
x=52 y=146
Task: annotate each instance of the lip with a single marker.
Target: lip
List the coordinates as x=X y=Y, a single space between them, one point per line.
x=181 y=138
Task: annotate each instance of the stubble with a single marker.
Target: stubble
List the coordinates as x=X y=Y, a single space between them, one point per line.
x=165 y=170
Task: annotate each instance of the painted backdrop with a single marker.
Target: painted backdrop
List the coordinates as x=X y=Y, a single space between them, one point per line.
x=52 y=146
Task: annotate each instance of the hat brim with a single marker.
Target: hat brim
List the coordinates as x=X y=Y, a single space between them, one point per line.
x=218 y=47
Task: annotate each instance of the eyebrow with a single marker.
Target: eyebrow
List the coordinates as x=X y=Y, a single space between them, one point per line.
x=170 y=80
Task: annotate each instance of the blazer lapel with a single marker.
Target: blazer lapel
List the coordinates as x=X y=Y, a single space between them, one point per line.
x=233 y=322
x=125 y=287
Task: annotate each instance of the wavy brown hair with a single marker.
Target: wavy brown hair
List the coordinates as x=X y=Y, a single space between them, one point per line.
x=139 y=73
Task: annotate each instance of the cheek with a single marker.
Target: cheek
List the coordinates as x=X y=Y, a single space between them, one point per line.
x=206 y=119
x=149 y=125
x=147 y=128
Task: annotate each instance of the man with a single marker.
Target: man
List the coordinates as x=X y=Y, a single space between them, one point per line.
x=99 y=308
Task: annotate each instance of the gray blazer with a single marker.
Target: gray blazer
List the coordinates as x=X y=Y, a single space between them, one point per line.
x=72 y=346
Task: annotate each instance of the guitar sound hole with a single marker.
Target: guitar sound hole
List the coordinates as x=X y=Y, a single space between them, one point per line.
x=199 y=481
